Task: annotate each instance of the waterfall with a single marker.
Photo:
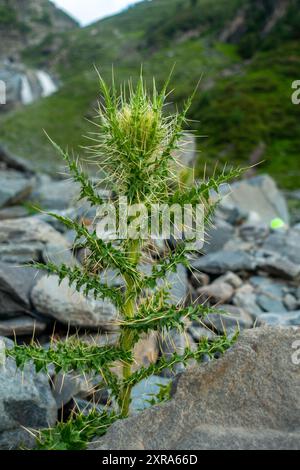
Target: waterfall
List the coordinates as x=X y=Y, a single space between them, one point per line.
x=47 y=84
x=26 y=92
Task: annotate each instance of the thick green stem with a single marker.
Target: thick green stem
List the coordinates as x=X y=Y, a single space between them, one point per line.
x=127 y=339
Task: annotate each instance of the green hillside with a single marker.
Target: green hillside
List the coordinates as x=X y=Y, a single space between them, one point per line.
x=243 y=106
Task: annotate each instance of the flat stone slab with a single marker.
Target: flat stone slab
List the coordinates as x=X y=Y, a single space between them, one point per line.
x=247 y=399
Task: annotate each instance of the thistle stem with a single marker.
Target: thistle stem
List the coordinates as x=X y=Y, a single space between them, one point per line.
x=127 y=339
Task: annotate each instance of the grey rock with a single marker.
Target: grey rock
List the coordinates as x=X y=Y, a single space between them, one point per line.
x=231 y=213
x=234 y=318
x=58 y=255
x=256 y=233
x=85 y=407
x=13 y=212
x=261 y=194
x=21 y=326
x=172 y=342
x=23 y=240
x=145 y=391
x=281 y=319
x=198 y=279
x=290 y=302
x=14 y=187
x=51 y=194
x=223 y=261
x=215 y=293
x=245 y=298
x=286 y=243
x=67 y=386
x=199 y=332
x=25 y=402
x=13 y=162
x=270 y=294
x=63 y=303
x=252 y=392
x=278 y=266
x=230 y=278
x=217 y=236
x=10 y=308
x=17 y=282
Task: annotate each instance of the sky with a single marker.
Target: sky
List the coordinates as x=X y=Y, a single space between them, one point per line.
x=88 y=11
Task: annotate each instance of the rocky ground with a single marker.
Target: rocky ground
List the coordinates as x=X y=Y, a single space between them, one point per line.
x=247 y=268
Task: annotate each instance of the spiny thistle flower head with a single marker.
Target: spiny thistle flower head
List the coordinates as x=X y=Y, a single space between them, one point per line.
x=135 y=142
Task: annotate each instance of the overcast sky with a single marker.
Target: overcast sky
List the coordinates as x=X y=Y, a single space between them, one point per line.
x=87 y=11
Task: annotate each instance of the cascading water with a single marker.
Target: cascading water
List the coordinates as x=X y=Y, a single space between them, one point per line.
x=26 y=91
x=47 y=84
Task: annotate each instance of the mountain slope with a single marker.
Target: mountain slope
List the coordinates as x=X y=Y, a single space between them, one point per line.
x=246 y=52
x=24 y=23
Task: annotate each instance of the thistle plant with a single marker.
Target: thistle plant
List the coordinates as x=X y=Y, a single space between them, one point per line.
x=134 y=148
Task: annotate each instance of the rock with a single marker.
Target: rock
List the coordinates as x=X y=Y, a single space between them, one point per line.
x=223 y=261
x=230 y=278
x=199 y=332
x=10 y=308
x=14 y=187
x=51 y=194
x=85 y=407
x=16 y=283
x=145 y=391
x=245 y=298
x=67 y=386
x=254 y=233
x=12 y=162
x=13 y=212
x=25 y=402
x=231 y=213
x=252 y=392
x=286 y=243
x=234 y=318
x=217 y=292
x=146 y=352
x=198 y=279
x=290 y=302
x=269 y=294
x=217 y=236
x=63 y=303
x=21 y=326
x=24 y=240
x=172 y=342
x=58 y=255
x=281 y=318
x=261 y=194
x=278 y=266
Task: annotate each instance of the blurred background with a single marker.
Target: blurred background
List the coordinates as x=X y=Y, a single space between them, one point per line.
x=246 y=53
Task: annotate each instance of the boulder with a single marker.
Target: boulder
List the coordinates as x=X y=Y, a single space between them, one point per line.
x=281 y=318
x=70 y=307
x=286 y=243
x=261 y=194
x=9 y=161
x=217 y=292
x=14 y=187
x=53 y=194
x=245 y=298
x=247 y=399
x=16 y=283
x=24 y=240
x=22 y=326
x=26 y=401
x=232 y=319
x=222 y=261
x=217 y=236
x=278 y=266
